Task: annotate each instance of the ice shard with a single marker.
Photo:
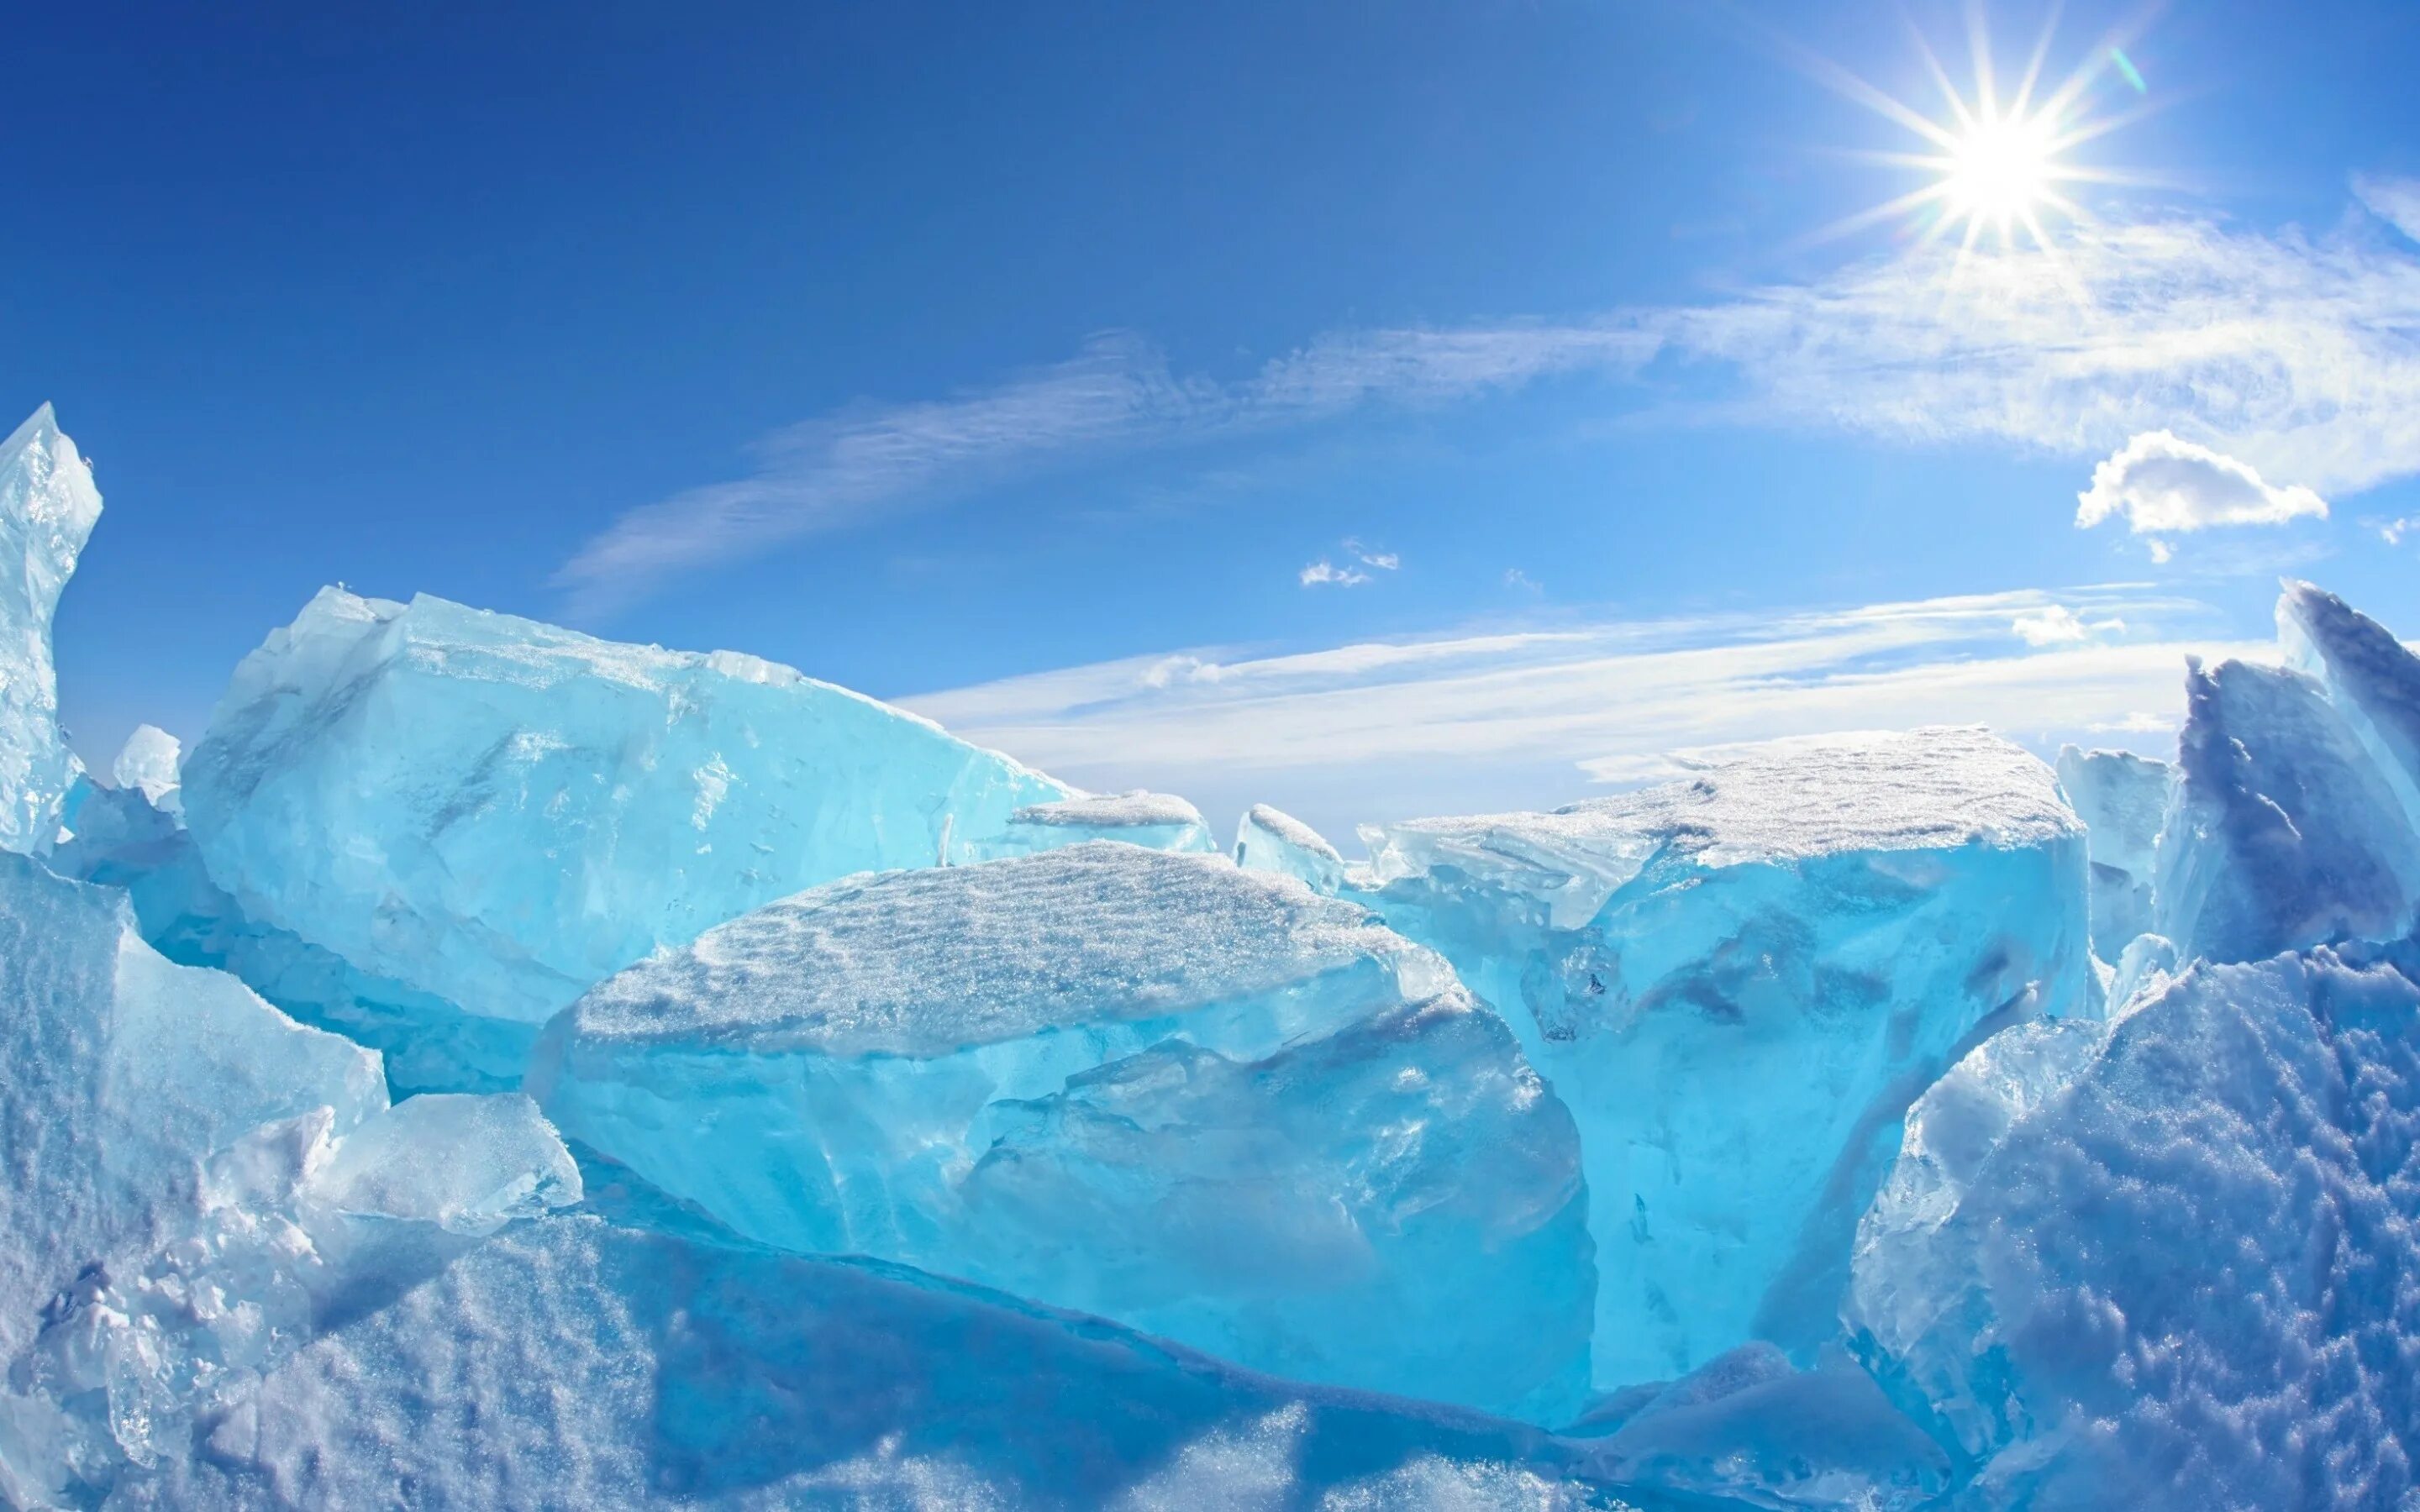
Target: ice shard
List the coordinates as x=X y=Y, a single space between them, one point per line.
x=1203 y=1102
x=1271 y=839
x=1156 y=821
x=2170 y=1260
x=147 y=763
x=2372 y=680
x=1738 y=982
x=48 y=506
x=2121 y=797
x=499 y=813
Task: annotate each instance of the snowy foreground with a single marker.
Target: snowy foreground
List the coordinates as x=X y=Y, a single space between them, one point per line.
x=501 y=1068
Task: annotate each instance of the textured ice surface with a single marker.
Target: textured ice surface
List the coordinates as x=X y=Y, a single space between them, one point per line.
x=2371 y=678
x=2121 y=797
x=501 y=813
x=1738 y=982
x=1270 y=840
x=147 y=763
x=1158 y=821
x=2283 y=832
x=2171 y=1260
x=48 y=506
x=572 y=1362
x=1202 y=1101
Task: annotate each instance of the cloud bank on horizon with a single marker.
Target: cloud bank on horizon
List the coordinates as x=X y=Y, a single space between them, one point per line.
x=2227 y=375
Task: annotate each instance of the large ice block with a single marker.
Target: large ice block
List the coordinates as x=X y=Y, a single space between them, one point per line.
x=2281 y=833
x=1271 y=839
x=48 y=506
x=1738 y=982
x=1200 y=1101
x=2372 y=680
x=501 y=813
x=2121 y=797
x=2171 y=1260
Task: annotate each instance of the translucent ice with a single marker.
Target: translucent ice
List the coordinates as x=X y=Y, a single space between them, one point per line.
x=2120 y=797
x=1738 y=982
x=499 y=813
x=147 y=763
x=1198 y=1100
x=2283 y=832
x=2372 y=679
x=2171 y=1260
x=48 y=506
x=1270 y=840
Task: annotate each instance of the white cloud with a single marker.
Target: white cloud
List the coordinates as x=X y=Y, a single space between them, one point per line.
x=2396 y=201
x=1529 y=718
x=2057 y=625
x=2393 y=531
x=1383 y=561
x=2160 y=482
x=1323 y=571
x=1515 y=577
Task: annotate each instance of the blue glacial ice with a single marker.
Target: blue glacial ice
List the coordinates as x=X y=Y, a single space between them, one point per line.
x=2168 y=1261
x=1738 y=982
x=2282 y=833
x=1158 y=821
x=48 y=506
x=2122 y=798
x=1200 y=1101
x=1271 y=839
x=525 y=810
x=2372 y=681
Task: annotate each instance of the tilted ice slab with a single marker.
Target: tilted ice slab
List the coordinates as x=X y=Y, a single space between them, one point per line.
x=181 y=1169
x=501 y=813
x=1738 y=982
x=1271 y=839
x=1200 y=1100
x=48 y=506
x=2372 y=680
x=1158 y=821
x=2121 y=797
x=2281 y=833
x=2169 y=1261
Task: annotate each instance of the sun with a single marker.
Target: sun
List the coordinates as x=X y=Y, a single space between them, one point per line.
x=2001 y=172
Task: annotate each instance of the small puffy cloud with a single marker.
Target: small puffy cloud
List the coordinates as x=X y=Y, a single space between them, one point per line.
x=2394 y=530
x=2161 y=553
x=2057 y=625
x=1383 y=561
x=2160 y=482
x=1515 y=577
x=2396 y=201
x=1324 y=571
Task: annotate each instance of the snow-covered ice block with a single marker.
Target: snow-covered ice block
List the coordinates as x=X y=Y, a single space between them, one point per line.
x=2171 y=1260
x=2282 y=832
x=2122 y=799
x=147 y=763
x=1158 y=821
x=1200 y=1101
x=48 y=506
x=1738 y=982
x=501 y=813
x=575 y=1363
x=2371 y=678
x=1271 y=839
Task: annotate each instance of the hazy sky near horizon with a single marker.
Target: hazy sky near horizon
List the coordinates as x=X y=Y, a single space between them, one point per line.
x=1372 y=409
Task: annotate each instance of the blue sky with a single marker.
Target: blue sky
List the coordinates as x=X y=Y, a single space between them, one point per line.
x=1021 y=363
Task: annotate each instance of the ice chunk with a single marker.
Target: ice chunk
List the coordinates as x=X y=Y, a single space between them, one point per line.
x=48 y=506
x=2371 y=678
x=2120 y=797
x=1198 y=1100
x=2282 y=832
x=572 y=1362
x=501 y=813
x=1158 y=821
x=148 y=765
x=468 y=1164
x=2171 y=1260
x=1738 y=982
x=1269 y=840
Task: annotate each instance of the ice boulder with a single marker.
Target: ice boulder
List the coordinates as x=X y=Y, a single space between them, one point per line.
x=48 y=506
x=1200 y=1100
x=2282 y=833
x=501 y=813
x=1270 y=840
x=1156 y=821
x=147 y=763
x=2372 y=680
x=2122 y=799
x=2171 y=1260
x=1738 y=982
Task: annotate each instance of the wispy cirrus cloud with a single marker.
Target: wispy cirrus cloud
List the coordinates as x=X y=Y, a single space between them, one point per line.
x=1532 y=716
x=2298 y=353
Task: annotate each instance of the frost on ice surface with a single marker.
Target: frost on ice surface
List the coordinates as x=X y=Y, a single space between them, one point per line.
x=501 y=813
x=147 y=763
x=2170 y=1260
x=48 y=506
x=1738 y=982
x=1270 y=840
x=1158 y=821
x=1197 y=1099
x=2121 y=797
x=2282 y=833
